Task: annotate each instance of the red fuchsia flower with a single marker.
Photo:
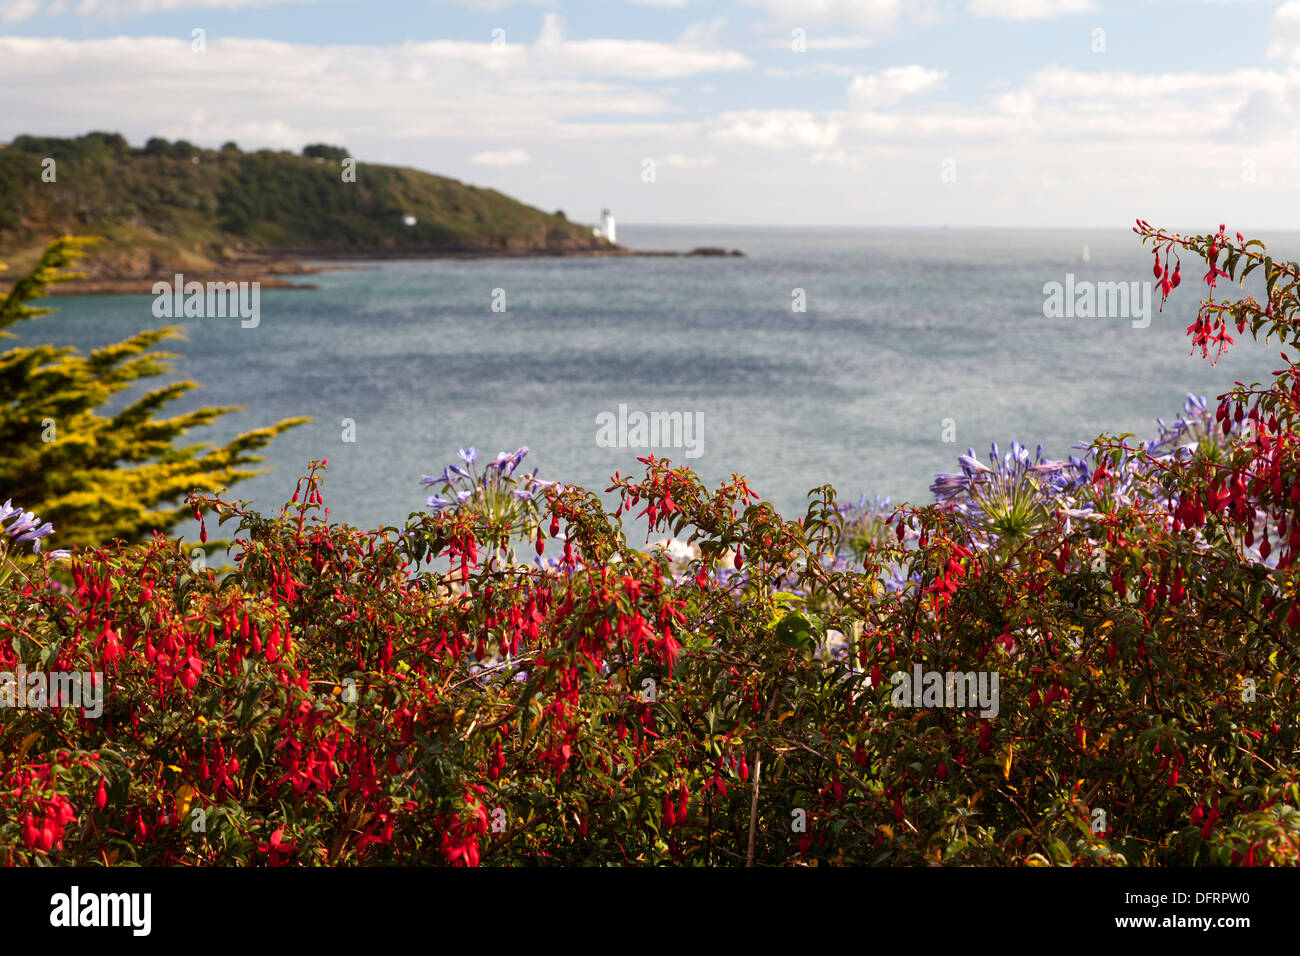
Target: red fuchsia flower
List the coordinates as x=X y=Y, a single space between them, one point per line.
x=1166 y=286
x=715 y=782
x=30 y=834
x=43 y=828
x=460 y=840
x=1211 y=256
x=1208 y=826
x=460 y=847
x=110 y=649
x=669 y=649
x=278 y=852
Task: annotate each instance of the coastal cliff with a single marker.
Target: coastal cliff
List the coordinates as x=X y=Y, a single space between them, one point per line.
x=228 y=214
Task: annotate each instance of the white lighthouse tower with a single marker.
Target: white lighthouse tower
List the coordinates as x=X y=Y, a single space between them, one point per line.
x=607 y=225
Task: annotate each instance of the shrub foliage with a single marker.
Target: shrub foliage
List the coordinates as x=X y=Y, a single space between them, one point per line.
x=98 y=476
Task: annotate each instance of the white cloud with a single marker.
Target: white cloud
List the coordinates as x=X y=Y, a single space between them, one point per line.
x=871 y=17
x=778 y=129
x=1030 y=9
x=16 y=10
x=1284 y=32
x=703 y=33
x=550 y=54
x=893 y=85
x=816 y=42
x=447 y=90
x=486 y=6
x=1069 y=106
x=834 y=157
x=638 y=58
x=680 y=161
x=501 y=157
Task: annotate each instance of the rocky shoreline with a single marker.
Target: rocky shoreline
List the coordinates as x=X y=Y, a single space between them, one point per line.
x=275 y=272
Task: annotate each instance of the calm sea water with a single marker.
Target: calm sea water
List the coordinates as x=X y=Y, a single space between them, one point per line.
x=903 y=330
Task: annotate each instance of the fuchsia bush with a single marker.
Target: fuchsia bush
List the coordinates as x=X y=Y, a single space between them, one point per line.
x=424 y=696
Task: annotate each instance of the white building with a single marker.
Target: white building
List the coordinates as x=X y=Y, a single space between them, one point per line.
x=606 y=227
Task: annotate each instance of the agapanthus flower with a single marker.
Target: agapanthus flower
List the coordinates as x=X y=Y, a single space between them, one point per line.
x=21 y=527
x=25 y=527
x=506 y=502
x=445 y=478
x=516 y=458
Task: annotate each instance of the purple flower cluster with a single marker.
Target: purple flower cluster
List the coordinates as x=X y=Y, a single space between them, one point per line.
x=1017 y=493
x=506 y=500
x=24 y=526
x=460 y=485
x=1050 y=479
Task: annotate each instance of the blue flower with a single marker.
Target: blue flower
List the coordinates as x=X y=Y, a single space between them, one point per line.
x=970 y=464
x=516 y=458
x=467 y=455
x=26 y=527
x=948 y=486
x=445 y=478
x=35 y=534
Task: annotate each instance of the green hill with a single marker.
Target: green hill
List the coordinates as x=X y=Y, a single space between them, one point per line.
x=173 y=206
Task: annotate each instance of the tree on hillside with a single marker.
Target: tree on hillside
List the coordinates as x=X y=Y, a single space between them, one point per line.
x=100 y=477
x=325 y=151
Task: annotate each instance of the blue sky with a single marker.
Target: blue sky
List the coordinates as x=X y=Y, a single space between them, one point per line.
x=890 y=112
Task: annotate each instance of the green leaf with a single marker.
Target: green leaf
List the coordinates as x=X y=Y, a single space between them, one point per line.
x=795 y=631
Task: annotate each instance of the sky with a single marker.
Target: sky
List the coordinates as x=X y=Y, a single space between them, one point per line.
x=1013 y=113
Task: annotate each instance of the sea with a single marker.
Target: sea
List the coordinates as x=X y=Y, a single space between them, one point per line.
x=863 y=358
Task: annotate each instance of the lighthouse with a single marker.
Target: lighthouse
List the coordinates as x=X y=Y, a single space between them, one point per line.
x=607 y=225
